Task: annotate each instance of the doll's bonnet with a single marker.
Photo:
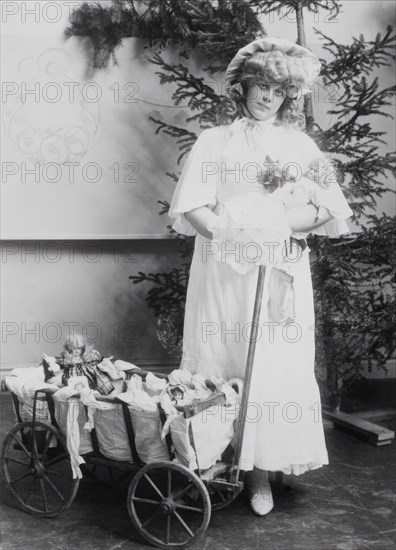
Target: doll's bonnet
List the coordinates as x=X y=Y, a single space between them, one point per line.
x=280 y=59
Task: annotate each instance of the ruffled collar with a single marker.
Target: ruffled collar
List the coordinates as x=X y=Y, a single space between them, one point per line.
x=253 y=122
x=251 y=128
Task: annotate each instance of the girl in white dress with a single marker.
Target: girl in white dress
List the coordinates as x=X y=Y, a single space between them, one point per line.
x=246 y=212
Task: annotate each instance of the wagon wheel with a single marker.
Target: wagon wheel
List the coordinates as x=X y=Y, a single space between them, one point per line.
x=220 y=498
x=169 y=505
x=38 y=475
x=222 y=495
x=103 y=474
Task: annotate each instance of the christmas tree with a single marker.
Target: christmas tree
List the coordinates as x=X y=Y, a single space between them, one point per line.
x=353 y=277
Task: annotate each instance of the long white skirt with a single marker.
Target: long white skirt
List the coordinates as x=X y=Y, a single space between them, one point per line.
x=284 y=430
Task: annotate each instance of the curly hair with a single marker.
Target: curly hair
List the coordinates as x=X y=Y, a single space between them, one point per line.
x=75 y=341
x=88 y=353
x=264 y=69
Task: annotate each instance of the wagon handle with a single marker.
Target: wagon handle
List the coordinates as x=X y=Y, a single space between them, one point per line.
x=248 y=376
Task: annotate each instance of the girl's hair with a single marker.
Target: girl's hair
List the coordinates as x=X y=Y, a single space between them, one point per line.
x=272 y=68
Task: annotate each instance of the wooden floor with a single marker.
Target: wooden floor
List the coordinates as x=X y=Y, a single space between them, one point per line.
x=348 y=505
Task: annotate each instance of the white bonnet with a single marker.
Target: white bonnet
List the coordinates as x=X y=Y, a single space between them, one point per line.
x=280 y=58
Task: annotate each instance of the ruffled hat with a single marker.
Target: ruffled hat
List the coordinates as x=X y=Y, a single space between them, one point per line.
x=280 y=58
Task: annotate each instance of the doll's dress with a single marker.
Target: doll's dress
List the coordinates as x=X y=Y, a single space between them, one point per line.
x=284 y=430
x=97 y=380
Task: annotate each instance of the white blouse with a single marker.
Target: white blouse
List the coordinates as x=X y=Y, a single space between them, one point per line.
x=223 y=171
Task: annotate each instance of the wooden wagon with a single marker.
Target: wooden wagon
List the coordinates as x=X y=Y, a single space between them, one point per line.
x=169 y=504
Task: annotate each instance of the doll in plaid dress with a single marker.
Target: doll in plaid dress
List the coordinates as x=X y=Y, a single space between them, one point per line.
x=80 y=359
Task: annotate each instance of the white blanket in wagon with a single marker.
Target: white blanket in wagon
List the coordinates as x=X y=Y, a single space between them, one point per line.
x=209 y=432
x=198 y=441
x=24 y=382
x=109 y=423
x=74 y=424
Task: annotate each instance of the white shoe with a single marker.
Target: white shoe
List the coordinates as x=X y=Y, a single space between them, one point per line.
x=261 y=500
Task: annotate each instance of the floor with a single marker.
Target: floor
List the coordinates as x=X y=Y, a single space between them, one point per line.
x=347 y=505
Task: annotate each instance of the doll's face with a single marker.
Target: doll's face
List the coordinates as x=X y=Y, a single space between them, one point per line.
x=177 y=395
x=77 y=352
x=264 y=100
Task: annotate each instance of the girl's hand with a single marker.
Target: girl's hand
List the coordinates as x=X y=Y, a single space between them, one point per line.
x=202 y=219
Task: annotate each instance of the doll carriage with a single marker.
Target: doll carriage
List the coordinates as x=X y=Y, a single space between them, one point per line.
x=168 y=503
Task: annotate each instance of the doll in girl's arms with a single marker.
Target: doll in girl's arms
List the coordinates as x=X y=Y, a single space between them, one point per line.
x=324 y=172
x=321 y=174
x=78 y=358
x=318 y=185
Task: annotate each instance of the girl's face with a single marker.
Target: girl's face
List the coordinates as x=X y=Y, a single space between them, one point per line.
x=264 y=100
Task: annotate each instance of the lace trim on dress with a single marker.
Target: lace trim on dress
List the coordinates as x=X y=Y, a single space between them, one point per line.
x=298 y=469
x=292 y=469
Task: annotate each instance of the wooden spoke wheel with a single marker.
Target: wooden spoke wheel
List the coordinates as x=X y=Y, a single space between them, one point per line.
x=217 y=480
x=169 y=505
x=37 y=469
x=104 y=474
x=220 y=497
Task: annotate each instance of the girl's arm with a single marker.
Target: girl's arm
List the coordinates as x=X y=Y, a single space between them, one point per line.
x=199 y=219
x=301 y=218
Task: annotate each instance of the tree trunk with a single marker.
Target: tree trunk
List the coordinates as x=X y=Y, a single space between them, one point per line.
x=302 y=41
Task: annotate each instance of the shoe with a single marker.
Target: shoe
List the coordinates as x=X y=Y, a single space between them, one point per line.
x=261 y=500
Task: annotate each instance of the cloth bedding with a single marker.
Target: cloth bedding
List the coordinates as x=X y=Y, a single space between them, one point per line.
x=197 y=442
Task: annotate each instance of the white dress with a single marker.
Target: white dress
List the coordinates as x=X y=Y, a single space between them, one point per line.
x=284 y=430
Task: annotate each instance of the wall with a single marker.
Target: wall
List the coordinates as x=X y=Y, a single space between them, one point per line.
x=80 y=159
x=82 y=173
x=49 y=286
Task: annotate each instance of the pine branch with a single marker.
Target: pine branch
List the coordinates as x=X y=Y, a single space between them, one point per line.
x=163 y=23
x=278 y=6
x=191 y=89
x=360 y=57
x=193 y=92
x=168 y=289
x=184 y=138
x=349 y=137
x=362 y=99
x=354 y=286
